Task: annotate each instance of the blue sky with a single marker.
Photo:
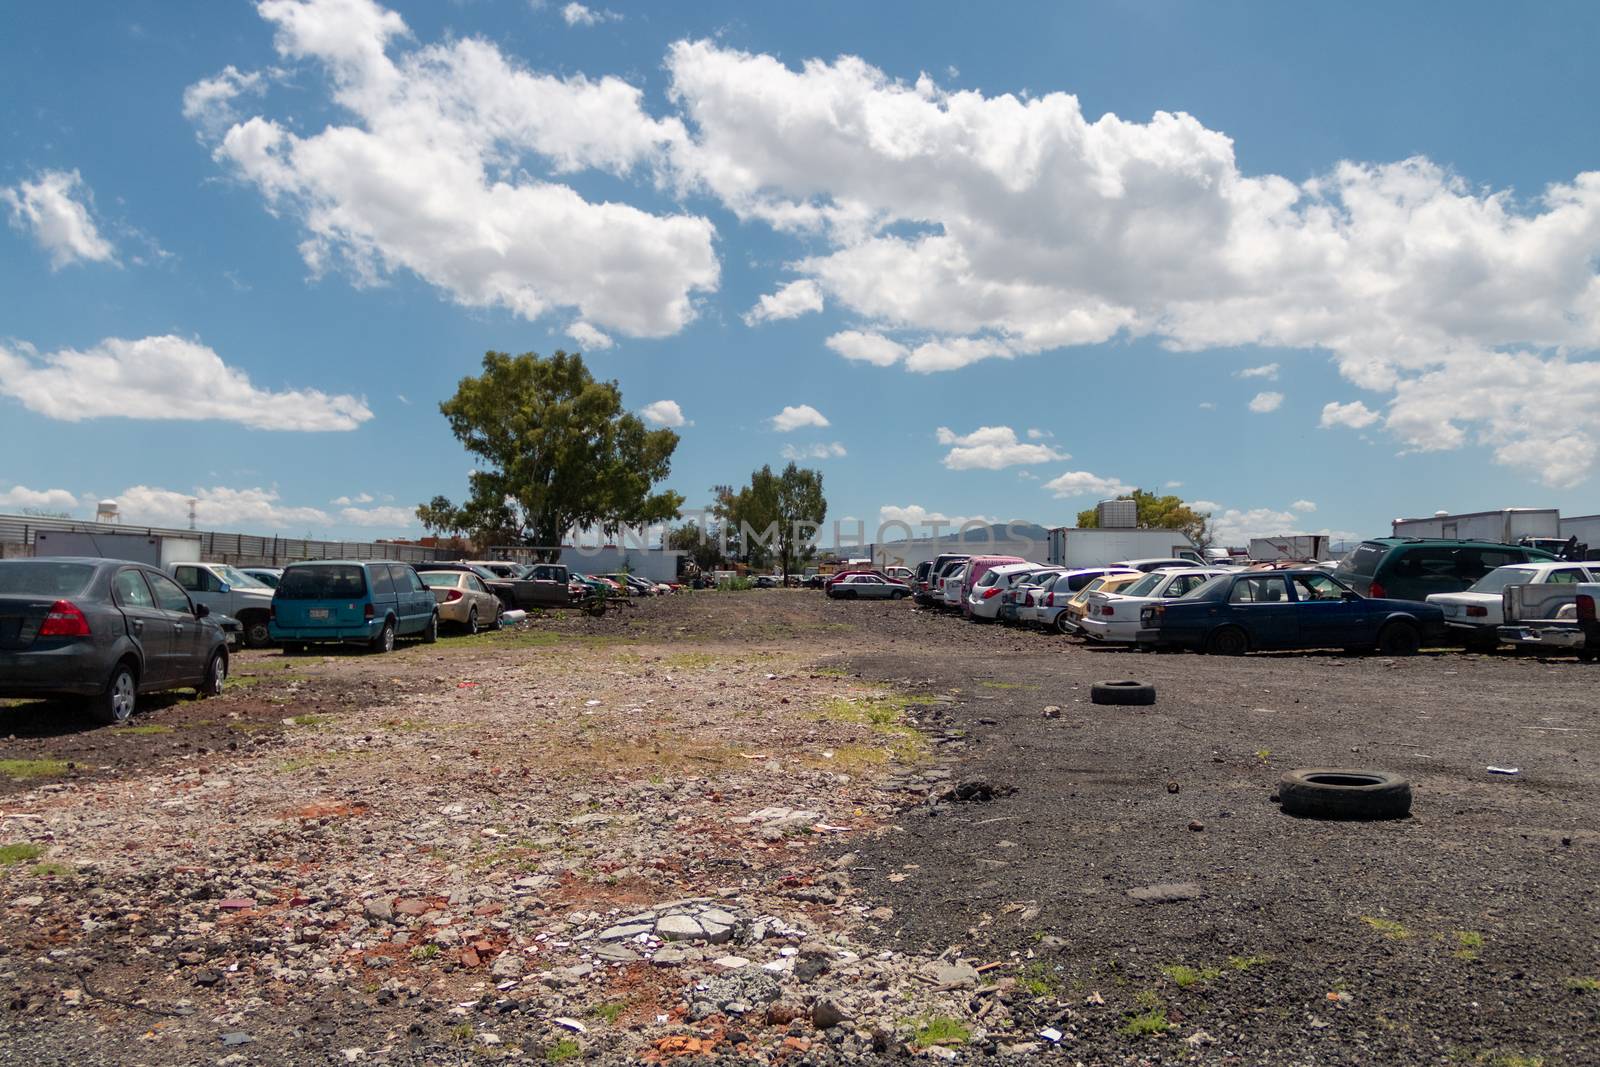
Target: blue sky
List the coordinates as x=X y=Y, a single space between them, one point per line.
x=247 y=251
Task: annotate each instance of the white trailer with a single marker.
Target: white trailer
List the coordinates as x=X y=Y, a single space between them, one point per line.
x=1507 y=526
x=1074 y=547
x=158 y=550
x=1290 y=546
x=1586 y=528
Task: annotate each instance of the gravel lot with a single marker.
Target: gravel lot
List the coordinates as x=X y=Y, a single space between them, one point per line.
x=711 y=827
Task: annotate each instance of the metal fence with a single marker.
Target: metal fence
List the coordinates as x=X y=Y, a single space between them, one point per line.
x=17 y=538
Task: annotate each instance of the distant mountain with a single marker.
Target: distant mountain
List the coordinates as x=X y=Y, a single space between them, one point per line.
x=1016 y=531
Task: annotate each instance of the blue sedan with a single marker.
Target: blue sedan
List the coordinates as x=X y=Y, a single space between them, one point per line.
x=1289 y=609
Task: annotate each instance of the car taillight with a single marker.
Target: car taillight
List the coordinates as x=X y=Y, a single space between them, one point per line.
x=454 y=594
x=65 y=619
x=367 y=612
x=1377 y=592
x=1108 y=610
x=1586 y=608
x=1477 y=611
x=1050 y=600
x=991 y=591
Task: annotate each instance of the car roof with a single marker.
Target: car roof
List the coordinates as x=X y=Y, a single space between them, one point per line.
x=348 y=563
x=1455 y=542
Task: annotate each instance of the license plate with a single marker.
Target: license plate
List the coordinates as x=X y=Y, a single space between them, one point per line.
x=318 y=613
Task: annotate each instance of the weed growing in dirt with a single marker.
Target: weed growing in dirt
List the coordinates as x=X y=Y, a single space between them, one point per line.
x=940 y=1030
x=1468 y=942
x=311 y=720
x=563 y=1050
x=1005 y=685
x=145 y=729
x=1038 y=979
x=1244 y=963
x=1583 y=985
x=32 y=768
x=831 y=672
x=53 y=870
x=1147 y=1023
x=1387 y=927
x=1516 y=1059
x=423 y=953
x=463 y=1033
x=1263 y=754
x=1185 y=977
x=18 y=853
x=610 y=1011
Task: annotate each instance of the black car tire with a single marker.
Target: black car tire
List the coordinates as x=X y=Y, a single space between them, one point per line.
x=120 y=698
x=1227 y=641
x=472 y=621
x=898 y=594
x=1339 y=793
x=384 y=642
x=257 y=633
x=1125 y=692
x=216 y=676
x=1399 y=638
x=1063 y=625
x=431 y=633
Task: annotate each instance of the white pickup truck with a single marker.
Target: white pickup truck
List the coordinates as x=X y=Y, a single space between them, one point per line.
x=1553 y=616
x=227 y=590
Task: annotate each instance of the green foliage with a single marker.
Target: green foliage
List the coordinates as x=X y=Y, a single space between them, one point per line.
x=610 y=1011
x=564 y=1049
x=1039 y=980
x=32 y=768
x=53 y=870
x=774 y=517
x=1390 y=929
x=940 y=1030
x=699 y=543
x=557 y=450
x=1185 y=977
x=19 y=853
x=1583 y=985
x=1146 y=1023
x=1244 y=963
x=1160 y=513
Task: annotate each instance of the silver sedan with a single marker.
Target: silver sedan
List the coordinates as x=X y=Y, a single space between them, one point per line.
x=868 y=587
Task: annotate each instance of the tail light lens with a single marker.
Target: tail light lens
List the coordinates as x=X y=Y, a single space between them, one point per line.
x=1108 y=610
x=65 y=619
x=1477 y=611
x=454 y=594
x=367 y=612
x=1049 y=600
x=1586 y=607
x=991 y=591
x=1377 y=592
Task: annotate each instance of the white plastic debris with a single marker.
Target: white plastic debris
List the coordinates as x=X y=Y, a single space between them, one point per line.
x=1050 y=1033
x=572 y=1024
x=1505 y=770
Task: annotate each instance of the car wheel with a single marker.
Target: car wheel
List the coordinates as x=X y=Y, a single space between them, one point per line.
x=1227 y=641
x=1122 y=692
x=1335 y=793
x=898 y=595
x=384 y=642
x=431 y=634
x=216 y=676
x=116 y=704
x=256 y=632
x=1588 y=656
x=1063 y=625
x=1399 y=639
x=472 y=621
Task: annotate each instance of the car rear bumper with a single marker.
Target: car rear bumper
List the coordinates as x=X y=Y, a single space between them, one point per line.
x=353 y=632
x=70 y=670
x=1468 y=627
x=1110 y=632
x=1553 y=636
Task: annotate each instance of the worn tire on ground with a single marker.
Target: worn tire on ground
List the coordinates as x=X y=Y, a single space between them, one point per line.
x=1122 y=691
x=1342 y=793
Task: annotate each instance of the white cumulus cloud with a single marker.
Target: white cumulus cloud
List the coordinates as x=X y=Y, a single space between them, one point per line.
x=54 y=209
x=387 y=516
x=1083 y=483
x=790 y=302
x=832 y=450
x=992 y=448
x=20 y=496
x=664 y=413
x=1303 y=505
x=1269 y=371
x=589 y=337
x=1262 y=403
x=209 y=102
x=795 y=416
x=1355 y=415
x=163 y=377
x=348 y=501
x=872 y=348
x=441 y=161
x=576 y=14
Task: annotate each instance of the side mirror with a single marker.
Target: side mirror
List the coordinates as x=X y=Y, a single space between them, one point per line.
x=201 y=611
x=224 y=587
x=1349 y=597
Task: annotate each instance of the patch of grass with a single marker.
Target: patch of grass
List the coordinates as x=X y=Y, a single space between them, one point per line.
x=1516 y=1059
x=1583 y=985
x=564 y=1049
x=831 y=672
x=424 y=952
x=311 y=720
x=1148 y=999
x=1390 y=929
x=940 y=1030
x=463 y=1032
x=610 y=1011
x=53 y=870
x=1244 y=963
x=19 y=853
x=32 y=768
x=147 y=728
x=1468 y=942
x=1185 y=977
x=1146 y=1024
x=1263 y=754
x=1039 y=980
x=689 y=661
x=1005 y=685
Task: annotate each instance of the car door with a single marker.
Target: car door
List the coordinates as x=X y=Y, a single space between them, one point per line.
x=488 y=604
x=419 y=598
x=191 y=643
x=1260 y=603
x=202 y=586
x=147 y=623
x=550 y=581
x=1328 y=619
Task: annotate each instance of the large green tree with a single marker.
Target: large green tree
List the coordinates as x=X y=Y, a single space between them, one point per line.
x=698 y=542
x=772 y=518
x=1160 y=513
x=801 y=508
x=558 y=453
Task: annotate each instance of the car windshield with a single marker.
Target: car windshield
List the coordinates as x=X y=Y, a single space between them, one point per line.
x=338 y=581
x=440 y=579
x=484 y=573
x=1497 y=580
x=1201 y=592
x=1364 y=560
x=237 y=578
x=34 y=578
x=1146 y=585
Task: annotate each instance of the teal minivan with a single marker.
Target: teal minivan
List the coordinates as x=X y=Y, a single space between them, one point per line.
x=352 y=601
x=1410 y=568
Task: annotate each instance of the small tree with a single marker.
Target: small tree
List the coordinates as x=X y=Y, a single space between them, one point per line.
x=1160 y=513
x=800 y=504
x=558 y=450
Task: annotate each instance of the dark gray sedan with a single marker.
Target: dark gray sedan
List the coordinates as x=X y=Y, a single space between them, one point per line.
x=104 y=631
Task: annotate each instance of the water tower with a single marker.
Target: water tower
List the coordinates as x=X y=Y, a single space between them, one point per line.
x=107 y=511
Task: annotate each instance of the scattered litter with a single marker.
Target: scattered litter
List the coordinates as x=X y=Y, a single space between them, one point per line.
x=1050 y=1033
x=572 y=1024
x=467 y=685
x=1094 y=998
x=1505 y=770
x=511 y=618
x=591 y=703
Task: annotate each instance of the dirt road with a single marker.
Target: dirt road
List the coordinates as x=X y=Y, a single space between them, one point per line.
x=711 y=826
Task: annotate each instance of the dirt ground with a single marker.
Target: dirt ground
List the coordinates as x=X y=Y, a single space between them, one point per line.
x=494 y=848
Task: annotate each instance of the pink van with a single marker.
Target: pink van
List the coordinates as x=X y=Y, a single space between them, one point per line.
x=977 y=566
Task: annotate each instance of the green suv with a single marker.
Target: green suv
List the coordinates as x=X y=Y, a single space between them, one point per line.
x=1409 y=568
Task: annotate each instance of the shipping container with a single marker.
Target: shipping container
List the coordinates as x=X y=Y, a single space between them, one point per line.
x=1290 y=546
x=1074 y=547
x=1507 y=526
x=157 y=550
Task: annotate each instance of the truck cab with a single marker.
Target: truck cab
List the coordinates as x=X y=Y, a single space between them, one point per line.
x=226 y=590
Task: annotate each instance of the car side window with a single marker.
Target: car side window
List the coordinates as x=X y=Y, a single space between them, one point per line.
x=130 y=590
x=398 y=576
x=169 y=595
x=1316 y=587
x=1258 y=591
x=188 y=578
x=1565 y=576
x=475 y=585
x=414 y=581
x=382 y=584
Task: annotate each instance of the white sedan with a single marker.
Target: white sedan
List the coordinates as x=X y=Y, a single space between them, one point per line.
x=1477 y=613
x=867 y=587
x=1114 y=617
x=984 y=601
